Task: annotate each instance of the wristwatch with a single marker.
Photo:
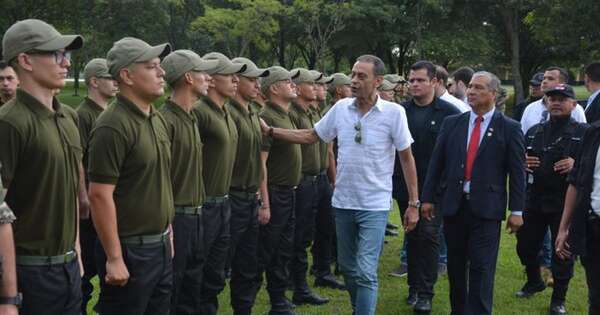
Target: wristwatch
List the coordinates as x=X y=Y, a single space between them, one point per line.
x=414 y=204
x=15 y=300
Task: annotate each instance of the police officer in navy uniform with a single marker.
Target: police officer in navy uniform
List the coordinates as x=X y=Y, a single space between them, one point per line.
x=551 y=149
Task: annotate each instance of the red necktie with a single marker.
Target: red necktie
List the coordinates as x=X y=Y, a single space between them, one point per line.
x=473 y=146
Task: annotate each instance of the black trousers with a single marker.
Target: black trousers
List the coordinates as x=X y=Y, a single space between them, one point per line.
x=276 y=241
x=243 y=252
x=52 y=289
x=530 y=238
x=216 y=218
x=87 y=239
x=188 y=263
x=424 y=253
x=148 y=290
x=591 y=263
x=305 y=211
x=324 y=239
x=472 y=254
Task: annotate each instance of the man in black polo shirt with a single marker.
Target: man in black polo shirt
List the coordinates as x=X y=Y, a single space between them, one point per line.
x=41 y=163
x=130 y=175
x=425 y=114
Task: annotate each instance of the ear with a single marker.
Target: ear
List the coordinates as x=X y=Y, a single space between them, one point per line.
x=24 y=61
x=378 y=81
x=189 y=79
x=94 y=82
x=126 y=75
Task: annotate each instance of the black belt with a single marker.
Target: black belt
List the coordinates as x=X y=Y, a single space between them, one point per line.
x=216 y=199
x=283 y=187
x=593 y=216
x=467 y=196
x=311 y=178
x=183 y=210
x=246 y=194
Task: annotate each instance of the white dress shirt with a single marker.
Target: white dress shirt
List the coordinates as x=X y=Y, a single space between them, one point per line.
x=462 y=106
x=595 y=195
x=364 y=170
x=534 y=113
x=591 y=99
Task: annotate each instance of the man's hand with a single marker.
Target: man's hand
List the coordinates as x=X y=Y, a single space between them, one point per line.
x=84 y=208
x=513 y=223
x=411 y=217
x=563 y=250
x=264 y=215
x=427 y=211
x=564 y=166
x=116 y=272
x=264 y=127
x=531 y=162
x=7 y=309
x=171 y=237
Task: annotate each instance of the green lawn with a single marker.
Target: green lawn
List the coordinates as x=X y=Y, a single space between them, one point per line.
x=393 y=291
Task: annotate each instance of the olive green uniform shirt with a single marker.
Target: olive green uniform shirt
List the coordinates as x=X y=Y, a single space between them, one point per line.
x=284 y=165
x=186 y=155
x=306 y=119
x=88 y=111
x=220 y=138
x=40 y=156
x=132 y=151
x=247 y=170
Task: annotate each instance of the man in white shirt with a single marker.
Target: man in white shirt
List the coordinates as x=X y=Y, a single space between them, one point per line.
x=459 y=80
x=536 y=112
x=369 y=132
x=440 y=90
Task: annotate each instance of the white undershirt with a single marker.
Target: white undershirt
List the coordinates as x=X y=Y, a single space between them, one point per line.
x=595 y=196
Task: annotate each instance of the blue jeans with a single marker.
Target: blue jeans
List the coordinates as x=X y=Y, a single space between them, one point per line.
x=545 y=255
x=360 y=237
x=443 y=260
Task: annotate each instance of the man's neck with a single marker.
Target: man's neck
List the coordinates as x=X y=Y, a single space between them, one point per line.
x=216 y=98
x=42 y=94
x=98 y=98
x=184 y=98
x=440 y=91
x=241 y=100
x=366 y=103
x=594 y=87
x=281 y=103
x=425 y=100
x=142 y=103
x=482 y=110
x=6 y=98
x=303 y=103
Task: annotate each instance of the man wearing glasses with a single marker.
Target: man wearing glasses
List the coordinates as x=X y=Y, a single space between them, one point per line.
x=41 y=163
x=369 y=131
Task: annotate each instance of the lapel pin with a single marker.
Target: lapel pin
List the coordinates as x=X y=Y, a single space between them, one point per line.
x=489 y=134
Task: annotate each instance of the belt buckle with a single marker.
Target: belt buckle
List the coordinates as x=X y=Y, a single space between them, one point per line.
x=467 y=196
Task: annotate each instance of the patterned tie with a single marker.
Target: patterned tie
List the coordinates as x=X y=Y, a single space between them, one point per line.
x=473 y=146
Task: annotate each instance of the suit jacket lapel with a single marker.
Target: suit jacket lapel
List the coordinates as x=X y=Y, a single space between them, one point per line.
x=489 y=132
x=463 y=133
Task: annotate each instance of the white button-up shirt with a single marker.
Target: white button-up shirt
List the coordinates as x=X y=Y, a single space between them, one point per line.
x=462 y=106
x=364 y=170
x=533 y=114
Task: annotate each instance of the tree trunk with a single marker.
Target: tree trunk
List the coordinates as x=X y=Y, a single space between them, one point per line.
x=511 y=20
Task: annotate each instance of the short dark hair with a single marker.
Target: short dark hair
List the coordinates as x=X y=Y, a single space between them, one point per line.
x=378 y=65
x=441 y=74
x=563 y=74
x=3 y=65
x=593 y=71
x=464 y=74
x=424 y=64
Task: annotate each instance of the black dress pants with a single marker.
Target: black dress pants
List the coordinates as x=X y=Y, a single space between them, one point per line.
x=87 y=239
x=324 y=240
x=591 y=263
x=305 y=210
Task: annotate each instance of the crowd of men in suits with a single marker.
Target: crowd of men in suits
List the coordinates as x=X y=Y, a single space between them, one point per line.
x=243 y=169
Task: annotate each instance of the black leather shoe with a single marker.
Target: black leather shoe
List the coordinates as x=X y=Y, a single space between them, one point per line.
x=558 y=309
x=529 y=289
x=391 y=226
x=423 y=306
x=309 y=298
x=289 y=303
x=412 y=298
x=329 y=281
x=281 y=308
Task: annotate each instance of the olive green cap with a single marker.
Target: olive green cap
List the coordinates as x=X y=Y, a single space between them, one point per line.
x=129 y=50
x=387 y=86
x=181 y=61
x=337 y=80
x=301 y=75
x=276 y=74
x=252 y=71
x=31 y=34
x=323 y=79
x=394 y=78
x=225 y=65
x=96 y=67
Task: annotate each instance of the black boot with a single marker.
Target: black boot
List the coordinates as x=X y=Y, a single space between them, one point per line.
x=534 y=283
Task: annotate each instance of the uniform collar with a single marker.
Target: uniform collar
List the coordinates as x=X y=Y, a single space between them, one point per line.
x=248 y=110
x=37 y=107
x=277 y=108
x=134 y=109
x=93 y=105
x=173 y=107
x=215 y=107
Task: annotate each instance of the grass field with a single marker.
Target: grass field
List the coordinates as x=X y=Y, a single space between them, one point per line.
x=393 y=291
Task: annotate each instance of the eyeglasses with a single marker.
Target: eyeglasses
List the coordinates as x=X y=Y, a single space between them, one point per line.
x=59 y=56
x=358 y=136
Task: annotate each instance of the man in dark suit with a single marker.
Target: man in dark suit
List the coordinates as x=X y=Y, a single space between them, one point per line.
x=592 y=84
x=473 y=156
